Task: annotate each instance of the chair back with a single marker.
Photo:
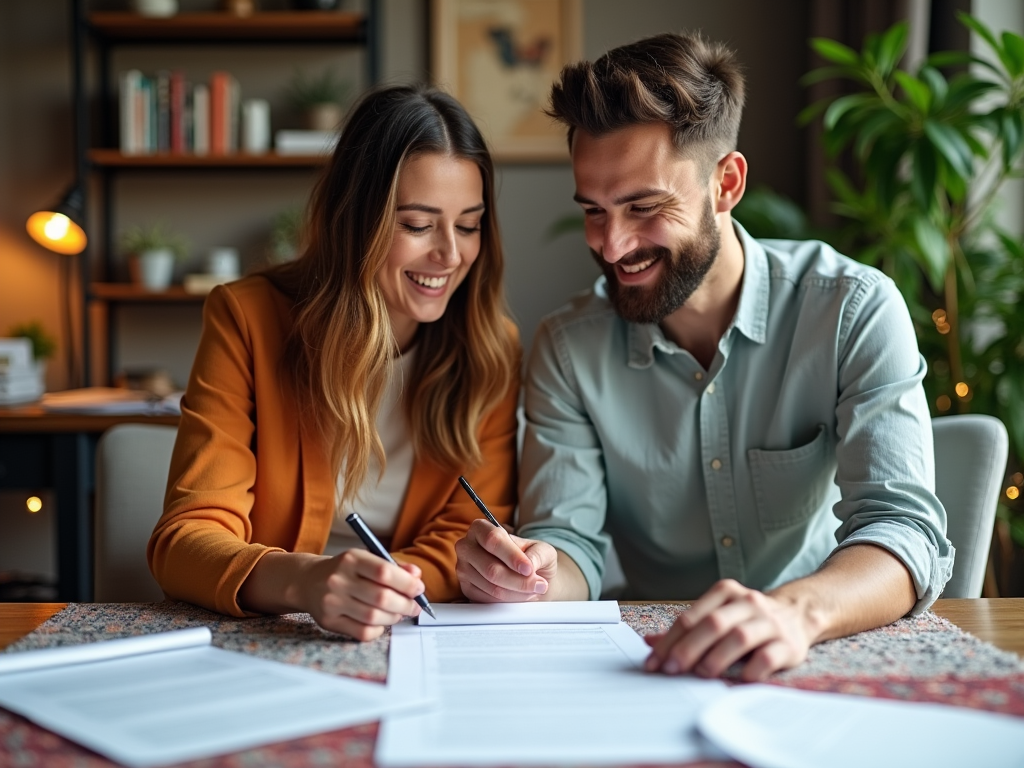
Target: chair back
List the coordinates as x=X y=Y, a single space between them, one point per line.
x=970 y=461
x=132 y=461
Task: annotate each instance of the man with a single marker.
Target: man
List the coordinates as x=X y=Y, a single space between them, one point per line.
x=727 y=411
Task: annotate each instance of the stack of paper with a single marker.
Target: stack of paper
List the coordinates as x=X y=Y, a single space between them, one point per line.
x=111 y=401
x=170 y=697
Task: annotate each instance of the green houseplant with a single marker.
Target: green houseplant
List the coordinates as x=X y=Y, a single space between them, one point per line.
x=152 y=250
x=320 y=98
x=932 y=152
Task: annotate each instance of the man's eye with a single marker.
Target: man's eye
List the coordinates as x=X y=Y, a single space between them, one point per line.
x=592 y=211
x=643 y=208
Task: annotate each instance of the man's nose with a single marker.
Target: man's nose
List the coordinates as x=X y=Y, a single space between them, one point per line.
x=619 y=240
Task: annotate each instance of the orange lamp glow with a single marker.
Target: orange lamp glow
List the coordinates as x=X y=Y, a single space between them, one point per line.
x=59 y=229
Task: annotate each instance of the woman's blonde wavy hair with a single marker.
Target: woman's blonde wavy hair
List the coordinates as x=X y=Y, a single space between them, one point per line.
x=341 y=350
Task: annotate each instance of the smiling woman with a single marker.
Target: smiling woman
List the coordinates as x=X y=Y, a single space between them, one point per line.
x=365 y=376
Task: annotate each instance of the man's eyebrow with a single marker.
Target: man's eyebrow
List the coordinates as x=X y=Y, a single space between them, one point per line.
x=437 y=211
x=632 y=197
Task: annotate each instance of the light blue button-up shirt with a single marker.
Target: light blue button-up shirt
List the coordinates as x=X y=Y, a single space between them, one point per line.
x=810 y=429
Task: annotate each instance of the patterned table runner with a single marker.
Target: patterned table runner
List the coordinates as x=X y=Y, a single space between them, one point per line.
x=925 y=658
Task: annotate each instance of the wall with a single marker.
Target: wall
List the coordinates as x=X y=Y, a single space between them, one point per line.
x=36 y=162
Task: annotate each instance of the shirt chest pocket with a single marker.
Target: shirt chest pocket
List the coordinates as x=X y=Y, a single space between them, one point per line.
x=791 y=485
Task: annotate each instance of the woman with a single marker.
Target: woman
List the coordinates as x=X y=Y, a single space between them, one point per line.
x=366 y=375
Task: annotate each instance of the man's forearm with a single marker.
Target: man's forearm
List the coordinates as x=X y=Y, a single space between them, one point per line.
x=858 y=588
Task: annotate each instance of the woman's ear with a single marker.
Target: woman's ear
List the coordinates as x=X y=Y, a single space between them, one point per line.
x=730 y=180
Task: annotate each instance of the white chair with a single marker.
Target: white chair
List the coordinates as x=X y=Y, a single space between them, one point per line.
x=132 y=461
x=970 y=460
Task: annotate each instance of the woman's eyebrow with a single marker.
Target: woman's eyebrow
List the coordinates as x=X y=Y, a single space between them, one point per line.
x=436 y=211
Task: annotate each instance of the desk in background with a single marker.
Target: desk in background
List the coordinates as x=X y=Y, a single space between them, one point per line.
x=39 y=449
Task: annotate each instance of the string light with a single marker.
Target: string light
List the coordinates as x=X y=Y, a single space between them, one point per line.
x=1012 y=492
x=939 y=316
x=1017 y=478
x=962 y=390
x=33 y=504
x=943 y=403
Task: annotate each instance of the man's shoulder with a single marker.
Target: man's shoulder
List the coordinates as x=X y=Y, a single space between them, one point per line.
x=815 y=264
x=589 y=311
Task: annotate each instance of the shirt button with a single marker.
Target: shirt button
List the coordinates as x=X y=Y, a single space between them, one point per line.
x=716 y=463
x=698 y=376
x=727 y=541
x=711 y=388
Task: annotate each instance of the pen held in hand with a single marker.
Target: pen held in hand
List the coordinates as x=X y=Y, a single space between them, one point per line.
x=476 y=500
x=373 y=544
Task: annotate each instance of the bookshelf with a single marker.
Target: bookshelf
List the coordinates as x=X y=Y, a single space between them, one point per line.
x=99 y=163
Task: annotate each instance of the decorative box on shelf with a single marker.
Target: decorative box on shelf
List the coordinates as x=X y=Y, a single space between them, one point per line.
x=22 y=379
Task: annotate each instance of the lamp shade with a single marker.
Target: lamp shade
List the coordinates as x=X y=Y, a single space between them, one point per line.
x=60 y=228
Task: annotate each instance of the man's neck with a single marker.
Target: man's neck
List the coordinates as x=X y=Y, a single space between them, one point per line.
x=699 y=324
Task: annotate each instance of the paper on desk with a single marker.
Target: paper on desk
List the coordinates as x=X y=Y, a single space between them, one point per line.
x=111 y=401
x=573 y=612
x=538 y=695
x=189 y=702
x=765 y=726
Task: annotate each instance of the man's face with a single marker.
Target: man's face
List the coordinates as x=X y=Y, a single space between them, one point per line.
x=650 y=223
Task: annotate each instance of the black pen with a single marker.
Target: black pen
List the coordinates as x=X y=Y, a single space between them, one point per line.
x=476 y=500
x=373 y=544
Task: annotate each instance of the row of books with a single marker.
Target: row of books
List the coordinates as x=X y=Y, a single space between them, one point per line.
x=166 y=113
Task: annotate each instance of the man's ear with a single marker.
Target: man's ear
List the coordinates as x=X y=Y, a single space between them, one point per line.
x=730 y=181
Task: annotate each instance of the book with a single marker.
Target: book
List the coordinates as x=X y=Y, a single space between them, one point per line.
x=219 y=87
x=131 y=83
x=176 y=86
x=163 y=111
x=201 y=119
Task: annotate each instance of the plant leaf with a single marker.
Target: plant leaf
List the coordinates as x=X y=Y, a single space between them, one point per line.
x=1013 y=45
x=916 y=91
x=873 y=127
x=952 y=146
x=922 y=181
x=811 y=111
x=937 y=84
x=972 y=23
x=844 y=104
x=933 y=248
x=891 y=47
x=835 y=52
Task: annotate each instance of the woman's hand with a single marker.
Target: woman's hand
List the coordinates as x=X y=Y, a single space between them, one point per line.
x=357 y=593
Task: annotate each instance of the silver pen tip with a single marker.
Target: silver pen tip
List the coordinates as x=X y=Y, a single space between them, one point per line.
x=429 y=610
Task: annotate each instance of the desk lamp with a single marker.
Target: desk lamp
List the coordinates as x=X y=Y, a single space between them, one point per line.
x=60 y=229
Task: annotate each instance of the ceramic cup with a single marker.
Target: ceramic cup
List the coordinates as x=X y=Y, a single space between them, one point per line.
x=223 y=262
x=255 y=125
x=155 y=8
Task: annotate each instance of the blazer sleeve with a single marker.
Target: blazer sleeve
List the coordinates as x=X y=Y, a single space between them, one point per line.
x=433 y=543
x=201 y=549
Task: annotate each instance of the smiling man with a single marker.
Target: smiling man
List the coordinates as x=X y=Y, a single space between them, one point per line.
x=744 y=420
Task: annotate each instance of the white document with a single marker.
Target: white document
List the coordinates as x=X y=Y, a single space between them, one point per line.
x=536 y=694
x=581 y=612
x=766 y=726
x=172 y=697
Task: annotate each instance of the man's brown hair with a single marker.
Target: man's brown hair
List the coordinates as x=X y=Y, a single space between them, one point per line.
x=692 y=85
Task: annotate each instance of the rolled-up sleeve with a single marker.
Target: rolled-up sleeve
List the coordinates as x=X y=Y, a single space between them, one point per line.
x=562 y=496
x=886 y=460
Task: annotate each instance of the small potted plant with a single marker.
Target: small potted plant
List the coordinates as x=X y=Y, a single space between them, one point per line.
x=43 y=348
x=152 y=251
x=285 y=236
x=321 y=98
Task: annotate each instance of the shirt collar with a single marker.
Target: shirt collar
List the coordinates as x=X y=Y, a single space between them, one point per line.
x=751 y=317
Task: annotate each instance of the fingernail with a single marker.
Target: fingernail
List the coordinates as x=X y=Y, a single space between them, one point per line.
x=670 y=667
x=540 y=587
x=525 y=569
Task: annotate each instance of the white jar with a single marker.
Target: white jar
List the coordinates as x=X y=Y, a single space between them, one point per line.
x=155 y=8
x=223 y=262
x=156 y=269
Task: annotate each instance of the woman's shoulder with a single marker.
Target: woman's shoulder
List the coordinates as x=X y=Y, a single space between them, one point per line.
x=253 y=297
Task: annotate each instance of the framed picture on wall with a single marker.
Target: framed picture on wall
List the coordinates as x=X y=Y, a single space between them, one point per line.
x=499 y=58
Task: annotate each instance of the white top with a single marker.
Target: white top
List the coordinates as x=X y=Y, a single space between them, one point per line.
x=379 y=503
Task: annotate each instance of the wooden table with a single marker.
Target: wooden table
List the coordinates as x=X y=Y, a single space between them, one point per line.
x=41 y=449
x=999 y=621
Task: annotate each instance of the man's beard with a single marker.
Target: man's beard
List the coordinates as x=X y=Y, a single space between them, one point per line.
x=682 y=273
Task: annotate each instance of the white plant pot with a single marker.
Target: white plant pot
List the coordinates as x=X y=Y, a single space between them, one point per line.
x=155 y=8
x=156 y=268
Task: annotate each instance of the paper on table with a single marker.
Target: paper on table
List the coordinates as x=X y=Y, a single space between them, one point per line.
x=766 y=726
x=184 y=704
x=110 y=401
x=579 y=612
x=538 y=695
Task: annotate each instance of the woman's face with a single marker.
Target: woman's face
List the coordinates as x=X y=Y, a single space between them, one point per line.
x=437 y=239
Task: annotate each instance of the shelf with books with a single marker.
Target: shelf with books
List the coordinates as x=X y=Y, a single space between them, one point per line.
x=221 y=27
x=189 y=121
x=113 y=158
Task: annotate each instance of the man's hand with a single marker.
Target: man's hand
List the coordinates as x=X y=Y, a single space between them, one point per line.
x=730 y=623
x=496 y=567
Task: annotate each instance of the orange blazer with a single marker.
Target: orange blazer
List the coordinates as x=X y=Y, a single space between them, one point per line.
x=249 y=477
